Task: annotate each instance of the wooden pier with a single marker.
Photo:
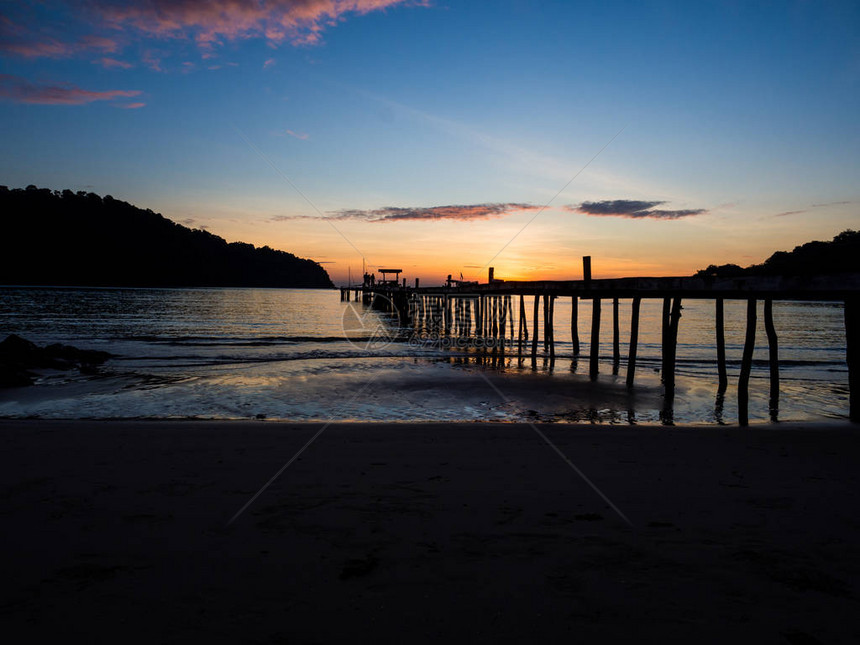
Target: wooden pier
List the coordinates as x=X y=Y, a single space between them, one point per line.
x=483 y=312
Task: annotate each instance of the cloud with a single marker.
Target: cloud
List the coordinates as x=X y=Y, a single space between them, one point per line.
x=132 y=106
x=304 y=136
x=434 y=213
x=783 y=214
x=66 y=28
x=615 y=207
x=152 y=60
x=830 y=204
x=661 y=214
x=20 y=40
x=811 y=206
x=269 y=62
x=21 y=90
x=632 y=209
x=113 y=63
x=299 y=22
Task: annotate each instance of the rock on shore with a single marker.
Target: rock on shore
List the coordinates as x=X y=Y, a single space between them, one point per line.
x=19 y=357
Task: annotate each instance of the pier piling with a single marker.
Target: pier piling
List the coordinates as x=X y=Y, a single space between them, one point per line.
x=721 y=347
x=665 y=322
x=634 y=340
x=773 y=359
x=746 y=365
x=594 y=349
x=852 y=343
x=616 y=345
x=671 y=349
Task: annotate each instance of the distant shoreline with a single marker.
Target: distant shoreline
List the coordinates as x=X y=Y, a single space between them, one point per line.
x=119 y=286
x=85 y=239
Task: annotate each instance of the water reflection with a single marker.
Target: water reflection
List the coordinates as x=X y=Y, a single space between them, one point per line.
x=292 y=345
x=718 y=406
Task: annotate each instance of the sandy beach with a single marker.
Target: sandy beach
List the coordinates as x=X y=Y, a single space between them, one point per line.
x=392 y=533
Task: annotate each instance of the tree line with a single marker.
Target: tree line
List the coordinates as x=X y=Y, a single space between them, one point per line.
x=82 y=239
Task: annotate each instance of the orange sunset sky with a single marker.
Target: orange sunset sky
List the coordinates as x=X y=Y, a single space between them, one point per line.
x=445 y=137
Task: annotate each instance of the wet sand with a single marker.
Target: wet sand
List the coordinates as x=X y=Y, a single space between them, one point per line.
x=117 y=531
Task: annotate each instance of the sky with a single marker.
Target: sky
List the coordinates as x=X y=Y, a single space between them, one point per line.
x=446 y=137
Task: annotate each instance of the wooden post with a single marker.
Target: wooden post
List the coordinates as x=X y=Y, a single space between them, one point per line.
x=551 y=328
x=574 y=324
x=667 y=304
x=852 y=356
x=503 y=319
x=721 y=348
x=634 y=341
x=524 y=317
x=586 y=268
x=546 y=323
x=535 y=326
x=746 y=365
x=672 y=346
x=520 y=331
x=773 y=359
x=616 y=345
x=594 y=350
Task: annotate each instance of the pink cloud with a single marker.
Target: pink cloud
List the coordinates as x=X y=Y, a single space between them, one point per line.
x=132 y=106
x=206 y=25
x=113 y=63
x=152 y=60
x=304 y=136
x=301 y=22
x=269 y=62
x=22 y=41
x=100 y=43
x=21 y=90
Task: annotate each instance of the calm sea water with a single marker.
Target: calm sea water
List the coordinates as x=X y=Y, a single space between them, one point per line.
x=305 y=355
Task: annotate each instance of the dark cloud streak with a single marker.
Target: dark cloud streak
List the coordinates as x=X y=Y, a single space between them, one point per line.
x=462 y=212
x=632 y=209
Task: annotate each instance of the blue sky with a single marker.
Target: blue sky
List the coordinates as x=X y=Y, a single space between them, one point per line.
x=738 y=118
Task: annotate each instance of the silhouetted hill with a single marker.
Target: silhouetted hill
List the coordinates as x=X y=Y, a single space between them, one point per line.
x=842 y=255
x=66 y=238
